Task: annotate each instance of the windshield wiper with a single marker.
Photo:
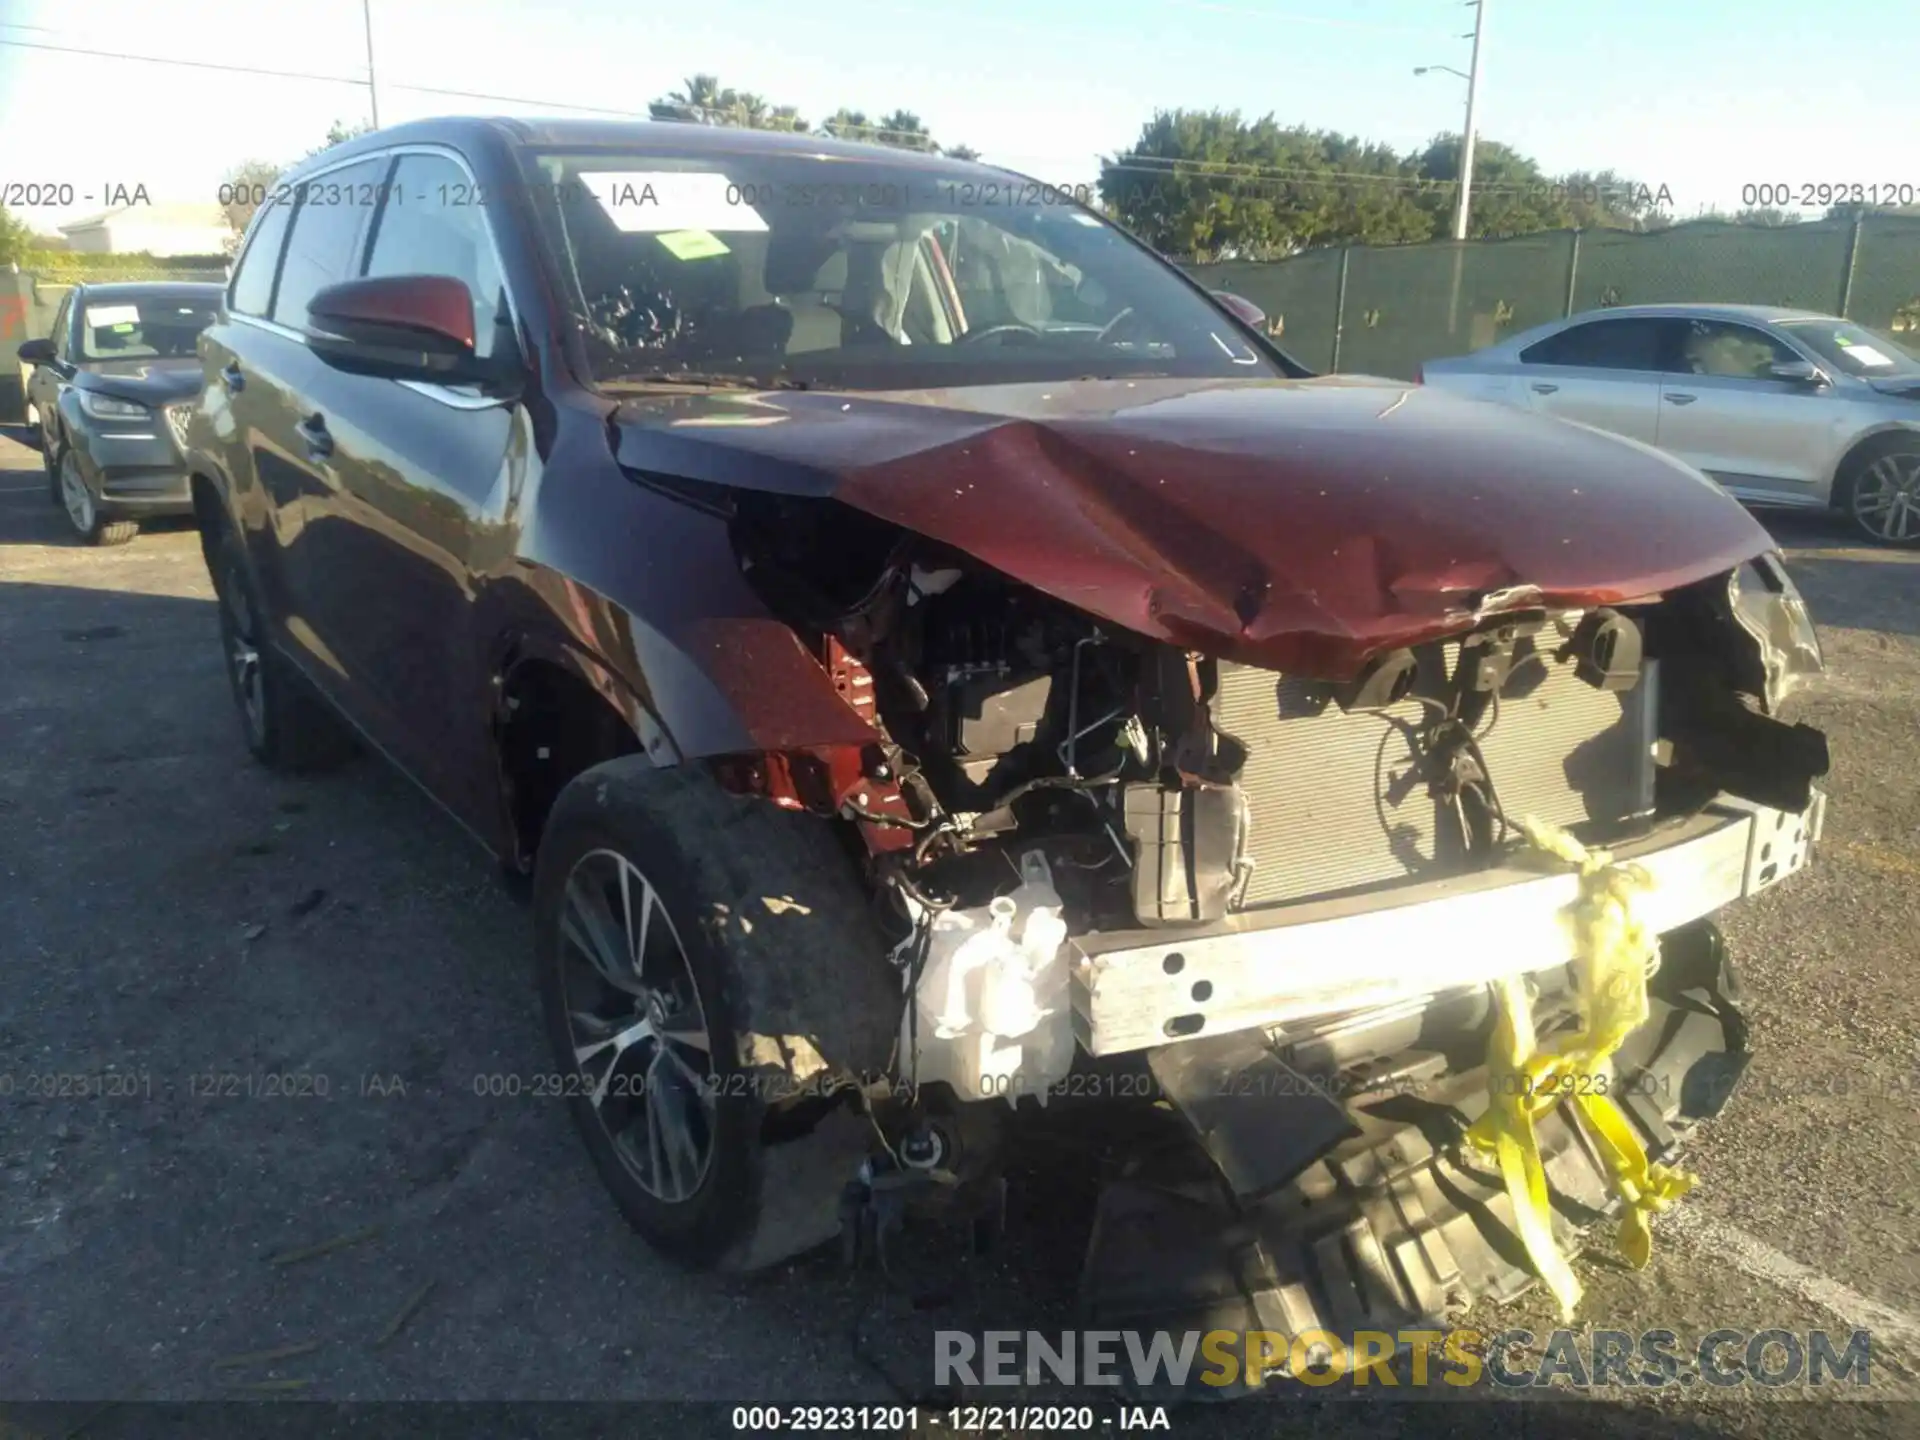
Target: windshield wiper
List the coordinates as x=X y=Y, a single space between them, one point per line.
x=706 y=381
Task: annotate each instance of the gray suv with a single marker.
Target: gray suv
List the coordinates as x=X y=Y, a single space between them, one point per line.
x=106 y=393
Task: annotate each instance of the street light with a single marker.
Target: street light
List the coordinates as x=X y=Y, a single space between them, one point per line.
x=1466 y=139
x=373 y=90
x=1424 y=69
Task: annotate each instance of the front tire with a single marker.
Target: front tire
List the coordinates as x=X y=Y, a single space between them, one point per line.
x=713 y=986
x=286 y=727
x=1880 y=492
x=83 y=511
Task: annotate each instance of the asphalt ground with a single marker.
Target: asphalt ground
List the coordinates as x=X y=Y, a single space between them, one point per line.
x=209 y=947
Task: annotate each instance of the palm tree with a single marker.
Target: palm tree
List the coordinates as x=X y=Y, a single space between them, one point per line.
x=903 y=128
x=847 y=124
x=700 y=98
x=743 y=108
x=960 y=152
x=786 y=117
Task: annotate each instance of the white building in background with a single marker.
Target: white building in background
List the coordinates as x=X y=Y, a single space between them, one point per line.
x=166 y=229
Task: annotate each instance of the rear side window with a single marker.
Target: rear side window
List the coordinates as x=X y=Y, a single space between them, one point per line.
x=1637 y=344
x=431 y=225
x=252 y=290
x=324 y=248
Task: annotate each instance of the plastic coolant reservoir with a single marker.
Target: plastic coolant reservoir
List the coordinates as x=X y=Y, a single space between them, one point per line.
x=991 y=1015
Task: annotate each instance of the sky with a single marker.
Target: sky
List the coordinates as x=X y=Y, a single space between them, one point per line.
x=1703 y=97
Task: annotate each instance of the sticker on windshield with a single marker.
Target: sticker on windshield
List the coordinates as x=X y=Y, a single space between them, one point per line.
x=105 y=317
x=693 y=244
x=653 y=202
x=1867 y=355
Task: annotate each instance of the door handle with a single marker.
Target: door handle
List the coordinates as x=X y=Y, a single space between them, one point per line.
x=1674 y=399
x=313 y=430
x=1542 y=388
x=232 y=378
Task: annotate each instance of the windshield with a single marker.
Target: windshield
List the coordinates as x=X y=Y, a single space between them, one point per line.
x=1855 y=349
x=792 y=269
x=143 y=327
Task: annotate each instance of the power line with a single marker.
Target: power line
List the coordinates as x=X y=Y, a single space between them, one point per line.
x=866 y=131
x=195 y=64
x=1175 y=168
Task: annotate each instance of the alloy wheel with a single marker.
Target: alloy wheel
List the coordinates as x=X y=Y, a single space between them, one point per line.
x=639 y=1032
x=1886 y=497
x=75 y=495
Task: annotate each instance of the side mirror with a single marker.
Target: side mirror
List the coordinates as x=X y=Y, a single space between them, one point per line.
x=401 y=327
x=1242 y=309
x=1800 y=372
x=36 y=352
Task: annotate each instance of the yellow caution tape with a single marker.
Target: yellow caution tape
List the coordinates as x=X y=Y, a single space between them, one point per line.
x=1613 y=956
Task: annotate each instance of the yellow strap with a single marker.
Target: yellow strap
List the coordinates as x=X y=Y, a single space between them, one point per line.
x=1613 y=956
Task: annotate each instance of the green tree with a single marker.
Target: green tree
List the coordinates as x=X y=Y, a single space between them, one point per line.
x=339 y=133
x=244 y=187
x=785 y=117
x=702 y=100
x=15 y=238
x=845 y=124
x=961 y=152
x=903 y=129
x=1210 y=185
x=1607 y=200
x=697 y=100
x=1511 y=194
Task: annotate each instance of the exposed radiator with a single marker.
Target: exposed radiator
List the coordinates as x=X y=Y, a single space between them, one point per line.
x=1335 y=807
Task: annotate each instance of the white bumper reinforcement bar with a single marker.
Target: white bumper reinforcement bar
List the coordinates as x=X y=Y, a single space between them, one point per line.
x=1139 y=988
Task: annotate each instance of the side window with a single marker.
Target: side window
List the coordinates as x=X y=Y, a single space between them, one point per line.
x=1718 y=347
x=324 y=248
x=61 y=329
x=1604 y=345
x=252 y=289
x=432 y=225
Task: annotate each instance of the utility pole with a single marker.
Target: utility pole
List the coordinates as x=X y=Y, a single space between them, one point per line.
x=373 y=90
x=1466 y=136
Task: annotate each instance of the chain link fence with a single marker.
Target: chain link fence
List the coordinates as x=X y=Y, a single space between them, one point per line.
x=1382 y=310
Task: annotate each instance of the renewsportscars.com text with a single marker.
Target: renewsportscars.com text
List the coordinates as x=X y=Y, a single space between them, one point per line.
x=1509 y=1359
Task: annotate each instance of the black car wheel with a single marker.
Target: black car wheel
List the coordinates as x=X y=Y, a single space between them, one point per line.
x=714 y=986
x=83 y=511
x=1881 y=492
x=286 y=726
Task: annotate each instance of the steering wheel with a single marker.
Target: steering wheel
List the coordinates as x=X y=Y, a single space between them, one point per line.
x=1106 y=331
x=1013 y=326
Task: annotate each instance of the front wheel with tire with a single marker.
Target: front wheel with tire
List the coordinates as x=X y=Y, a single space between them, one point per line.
x=714 y=989
x=83 y=512
x=286 y=726
x=1880 y=491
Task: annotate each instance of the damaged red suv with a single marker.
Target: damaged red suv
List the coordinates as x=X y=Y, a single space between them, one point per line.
x=926 y=651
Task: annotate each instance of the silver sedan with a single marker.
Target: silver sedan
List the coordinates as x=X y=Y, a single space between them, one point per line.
x=1780 y=407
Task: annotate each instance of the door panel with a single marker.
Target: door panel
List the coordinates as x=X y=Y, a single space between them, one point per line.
x=419 y=476
x=1627 y=402
x=44 y=384
x=292 y=456
x=392 y=521
x=1603 y=372
x=1767 y=438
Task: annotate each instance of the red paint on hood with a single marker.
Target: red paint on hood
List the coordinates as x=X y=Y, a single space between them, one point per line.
x=1301 y=525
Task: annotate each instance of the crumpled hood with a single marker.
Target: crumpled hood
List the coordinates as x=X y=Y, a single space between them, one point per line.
x=151 y=381
x=1302 y=525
